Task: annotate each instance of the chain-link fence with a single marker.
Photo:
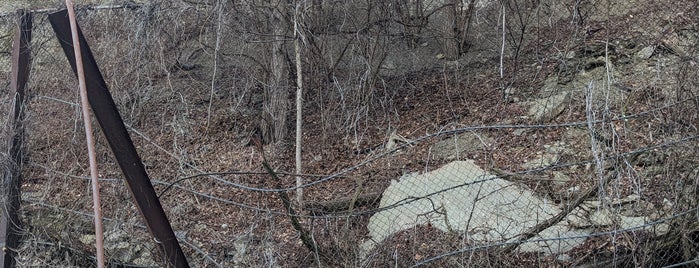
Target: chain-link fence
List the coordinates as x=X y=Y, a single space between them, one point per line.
x=439 y=134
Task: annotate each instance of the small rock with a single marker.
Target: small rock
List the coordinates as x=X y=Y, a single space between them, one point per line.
x=547 y=109
x=632 y=222
x=629 y=199
x=667 y=204
x=591 y=205
x=200 y=227
x=555 y=148
x=646 y=52
x=564 y=258
x=661 y=229
x=519 y=131
x=389 y=65
x=116 y=235
x=573 y=189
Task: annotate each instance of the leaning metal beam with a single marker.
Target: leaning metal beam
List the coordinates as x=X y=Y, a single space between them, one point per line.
x=10 y=225
x=120 y=142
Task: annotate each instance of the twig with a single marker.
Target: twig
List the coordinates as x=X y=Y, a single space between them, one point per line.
x=219 y=6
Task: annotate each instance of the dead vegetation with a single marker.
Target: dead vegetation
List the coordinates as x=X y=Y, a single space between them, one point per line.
x=194 y=90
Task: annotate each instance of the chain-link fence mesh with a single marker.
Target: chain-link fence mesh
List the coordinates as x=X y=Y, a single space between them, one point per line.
x=439 y=134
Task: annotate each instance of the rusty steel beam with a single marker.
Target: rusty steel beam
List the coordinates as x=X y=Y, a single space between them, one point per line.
x=120 y=142
x=10 y=225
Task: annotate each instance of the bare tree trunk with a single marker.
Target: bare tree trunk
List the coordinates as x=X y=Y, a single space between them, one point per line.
x=457 y=23
x=299 y=102
x=276 y=104
x=451 y=43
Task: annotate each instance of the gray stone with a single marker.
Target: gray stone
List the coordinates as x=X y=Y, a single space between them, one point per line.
x=88 y=239
x=550 y=87
x=596 y=84
x=519 y=131
x=632 y=222
x=645 y=52
x=564 y=258
x=461 y=197
x=660 y=229
x=547 y=109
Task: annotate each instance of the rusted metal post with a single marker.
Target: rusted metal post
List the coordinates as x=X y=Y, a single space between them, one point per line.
x=89 y=138
x=10 y=225
x=120 y=142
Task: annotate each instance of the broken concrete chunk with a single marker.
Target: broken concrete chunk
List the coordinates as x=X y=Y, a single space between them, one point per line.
x=461 y=197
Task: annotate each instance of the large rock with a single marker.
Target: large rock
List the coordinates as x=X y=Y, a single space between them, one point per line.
x=547 y=109
x=461 y=197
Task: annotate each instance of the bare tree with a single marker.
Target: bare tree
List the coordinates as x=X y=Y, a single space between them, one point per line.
x=299 y=97
x=276 y=95
x=457 y=23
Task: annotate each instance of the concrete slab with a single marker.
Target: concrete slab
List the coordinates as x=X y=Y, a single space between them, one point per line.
x=461 y=197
